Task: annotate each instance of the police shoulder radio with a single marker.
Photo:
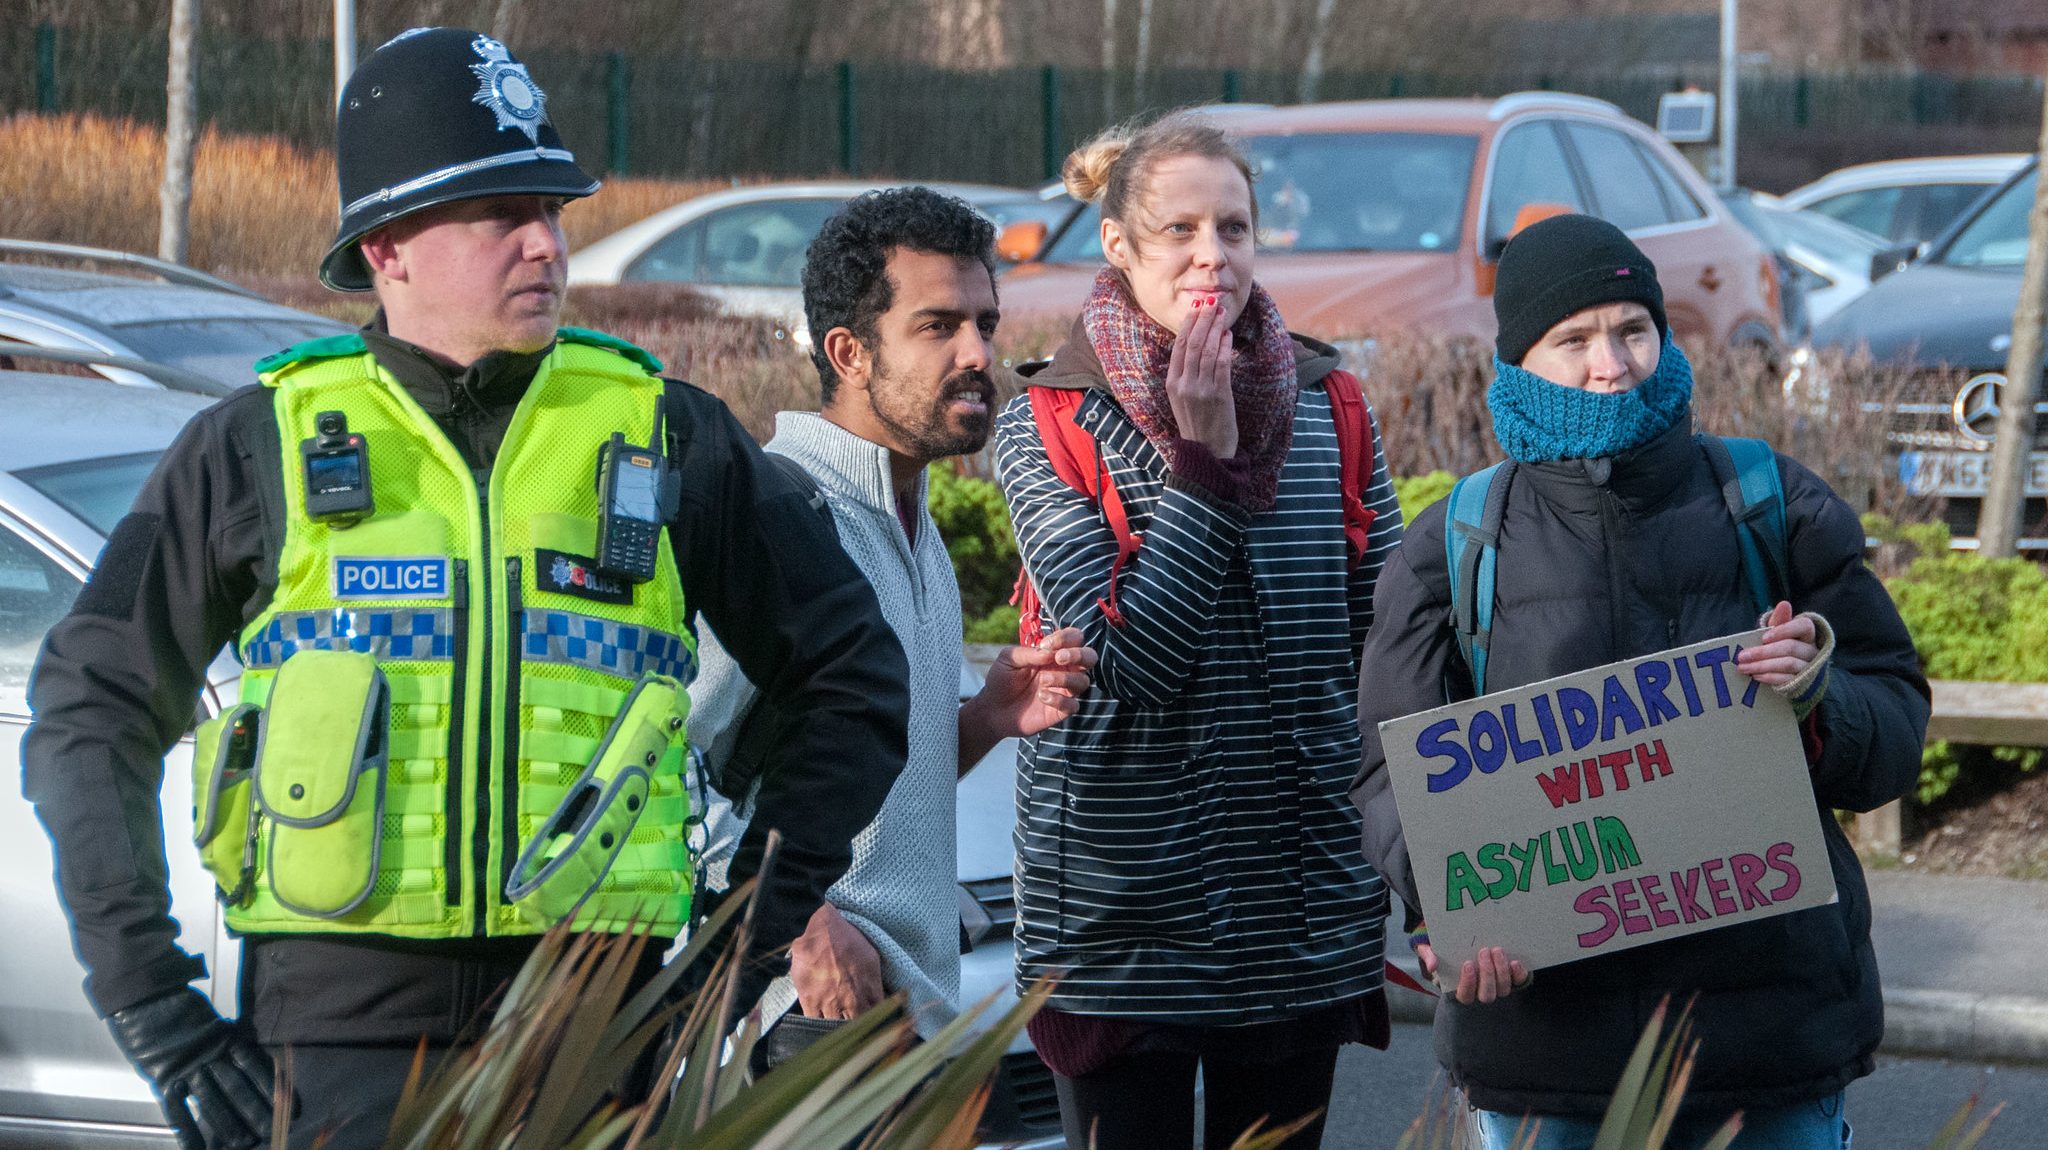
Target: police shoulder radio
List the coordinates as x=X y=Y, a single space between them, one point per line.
x=336 y=463
x=636 y=495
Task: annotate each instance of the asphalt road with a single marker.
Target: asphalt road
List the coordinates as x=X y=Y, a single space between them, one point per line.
x=1898 y=1108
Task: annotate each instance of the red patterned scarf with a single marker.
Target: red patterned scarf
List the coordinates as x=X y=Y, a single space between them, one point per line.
x=1134 y=349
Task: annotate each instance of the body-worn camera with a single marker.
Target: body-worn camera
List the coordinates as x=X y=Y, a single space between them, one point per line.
x=336 y=463
x=633 y=494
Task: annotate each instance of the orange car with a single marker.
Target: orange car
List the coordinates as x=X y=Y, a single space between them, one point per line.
x=1383 y=215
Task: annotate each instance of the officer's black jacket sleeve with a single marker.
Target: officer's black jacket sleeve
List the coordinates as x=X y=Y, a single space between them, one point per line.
x=805 y=626
x=117 y=684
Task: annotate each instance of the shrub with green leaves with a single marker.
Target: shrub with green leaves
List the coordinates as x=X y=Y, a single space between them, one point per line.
x=1416 y=492
x=975 y=523
x=1972 y=618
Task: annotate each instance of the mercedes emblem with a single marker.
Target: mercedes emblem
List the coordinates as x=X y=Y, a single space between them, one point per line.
x=1976 y=406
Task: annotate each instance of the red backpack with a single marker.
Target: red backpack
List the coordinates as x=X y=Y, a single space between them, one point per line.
x=1071 y=451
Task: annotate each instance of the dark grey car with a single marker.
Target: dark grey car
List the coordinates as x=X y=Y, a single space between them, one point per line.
x=1953 y=309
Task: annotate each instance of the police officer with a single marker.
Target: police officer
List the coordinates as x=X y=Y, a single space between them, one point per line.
x=461 y=716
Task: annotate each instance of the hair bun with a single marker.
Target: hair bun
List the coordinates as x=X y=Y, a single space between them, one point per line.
x=1086 y=172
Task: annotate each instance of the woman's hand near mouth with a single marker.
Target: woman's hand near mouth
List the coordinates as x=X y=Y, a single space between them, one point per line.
x=1198 y=379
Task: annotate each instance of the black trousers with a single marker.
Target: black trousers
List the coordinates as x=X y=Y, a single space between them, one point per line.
x=347 y=1092
x=1146 y=1101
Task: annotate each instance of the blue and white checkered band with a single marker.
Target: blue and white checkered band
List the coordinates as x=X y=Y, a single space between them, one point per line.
x=621 y=649
x=414 y=633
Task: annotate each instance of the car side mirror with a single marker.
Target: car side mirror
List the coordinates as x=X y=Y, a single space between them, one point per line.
x=1891 y=259
x=1020 y=240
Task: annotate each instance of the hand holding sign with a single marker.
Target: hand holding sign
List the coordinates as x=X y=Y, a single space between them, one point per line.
x=1489 y=976
x=1785 y=651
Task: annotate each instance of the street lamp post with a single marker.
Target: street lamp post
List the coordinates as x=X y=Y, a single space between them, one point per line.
x=344 y=45
x=1728 y=81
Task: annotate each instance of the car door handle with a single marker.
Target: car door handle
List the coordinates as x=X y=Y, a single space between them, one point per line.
x=1710 y=279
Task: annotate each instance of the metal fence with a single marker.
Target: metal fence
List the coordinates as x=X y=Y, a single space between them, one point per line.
x=647 y=115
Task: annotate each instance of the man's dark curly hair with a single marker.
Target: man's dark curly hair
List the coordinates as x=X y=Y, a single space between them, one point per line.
x=845 y=280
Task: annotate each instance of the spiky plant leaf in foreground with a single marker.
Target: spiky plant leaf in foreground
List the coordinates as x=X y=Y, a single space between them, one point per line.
x=1953 y=1134
x=564 y=1064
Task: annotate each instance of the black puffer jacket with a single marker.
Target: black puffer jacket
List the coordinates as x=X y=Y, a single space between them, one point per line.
x=1610 y=559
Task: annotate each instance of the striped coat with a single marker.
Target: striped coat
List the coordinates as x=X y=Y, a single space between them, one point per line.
x=1185 y=847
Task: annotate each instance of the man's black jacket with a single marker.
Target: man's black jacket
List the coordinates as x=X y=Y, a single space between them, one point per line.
x=195 y=559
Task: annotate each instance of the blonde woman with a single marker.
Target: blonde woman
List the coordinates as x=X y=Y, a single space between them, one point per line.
x=1188 y=864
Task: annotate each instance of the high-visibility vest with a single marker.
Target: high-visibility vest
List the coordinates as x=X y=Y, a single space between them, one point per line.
x=460 y=726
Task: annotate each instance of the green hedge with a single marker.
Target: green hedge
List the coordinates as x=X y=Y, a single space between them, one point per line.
x=975 y=523
x=1416 y=492
x=1972 y=618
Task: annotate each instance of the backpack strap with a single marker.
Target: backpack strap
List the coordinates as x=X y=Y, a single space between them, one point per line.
x=1472 y=521
x=1747 y=470
x=1077 y=459
x=1354 y=459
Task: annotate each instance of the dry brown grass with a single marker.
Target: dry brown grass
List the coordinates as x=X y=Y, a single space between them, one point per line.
x=90 y=180
x=261 y=207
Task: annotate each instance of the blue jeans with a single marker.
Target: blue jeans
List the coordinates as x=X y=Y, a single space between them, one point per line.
x=1818 y=1125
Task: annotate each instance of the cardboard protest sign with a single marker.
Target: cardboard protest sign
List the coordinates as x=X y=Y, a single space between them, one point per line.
x=1627 y=804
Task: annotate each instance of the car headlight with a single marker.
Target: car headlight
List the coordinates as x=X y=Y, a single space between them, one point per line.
x=1805 y=385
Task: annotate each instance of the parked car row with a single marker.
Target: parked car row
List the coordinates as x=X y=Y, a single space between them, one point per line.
x=1345 y=257
x=1950 y=310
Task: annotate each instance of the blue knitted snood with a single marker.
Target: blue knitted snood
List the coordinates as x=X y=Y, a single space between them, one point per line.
x=1537 y=420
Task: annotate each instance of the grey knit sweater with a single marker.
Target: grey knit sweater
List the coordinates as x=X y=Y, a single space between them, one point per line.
x=899 y=890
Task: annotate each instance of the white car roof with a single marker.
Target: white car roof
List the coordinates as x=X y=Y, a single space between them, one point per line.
x=1986 y=169
x=62 y=418
x=605 y=261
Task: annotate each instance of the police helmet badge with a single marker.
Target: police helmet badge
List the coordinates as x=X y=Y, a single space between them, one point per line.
x=507 y=89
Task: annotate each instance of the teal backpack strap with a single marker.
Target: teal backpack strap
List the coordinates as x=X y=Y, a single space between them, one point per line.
x=1748 y=473
x=1471 y=541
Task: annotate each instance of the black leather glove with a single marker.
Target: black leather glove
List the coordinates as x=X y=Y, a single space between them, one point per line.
x=213 y=1082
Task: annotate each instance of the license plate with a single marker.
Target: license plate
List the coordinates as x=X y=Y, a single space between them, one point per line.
x=1953 y=473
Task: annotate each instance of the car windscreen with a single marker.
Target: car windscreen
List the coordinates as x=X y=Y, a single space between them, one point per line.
x=1997 y=238
x=223 y=349
x=1315 y=194
x=98 y=491
x=1340 y=192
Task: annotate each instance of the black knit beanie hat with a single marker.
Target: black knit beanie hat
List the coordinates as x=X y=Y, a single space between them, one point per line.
x=1563 y=265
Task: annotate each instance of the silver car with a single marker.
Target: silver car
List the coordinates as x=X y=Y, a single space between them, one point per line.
x=119 y=313
x=73 y=453
x=745 y=248
x=1905 y=201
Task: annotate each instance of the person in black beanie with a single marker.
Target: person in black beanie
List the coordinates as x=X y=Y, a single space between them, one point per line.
x=1615 y=541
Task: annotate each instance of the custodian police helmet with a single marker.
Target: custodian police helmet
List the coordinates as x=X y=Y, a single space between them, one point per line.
x=439 y=114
